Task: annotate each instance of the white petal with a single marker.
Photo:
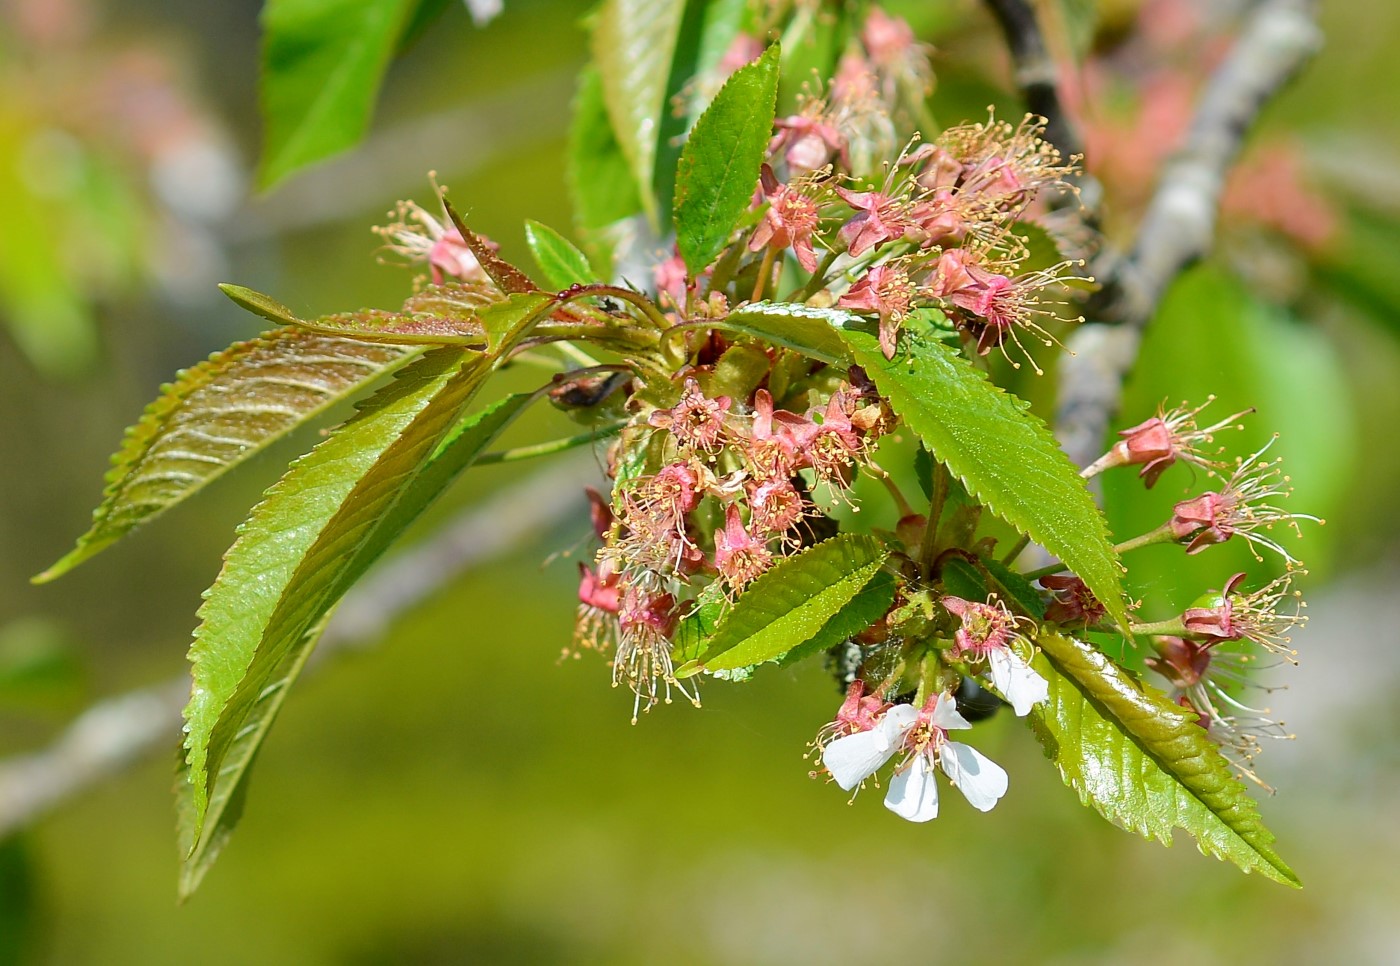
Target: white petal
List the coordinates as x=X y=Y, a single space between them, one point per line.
x=1021 y=686
x=981 y=780
x=945 y=714
x=898 y=720
x=913 y=792
x=854 y=758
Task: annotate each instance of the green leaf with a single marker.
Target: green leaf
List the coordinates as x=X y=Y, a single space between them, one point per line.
x=561 y=263
x=862 y=610
x=217 y=415
x=295 y=555
x=812 y=331
x=462 y=447
x=1142 y=762
x=411 y=327
x=633 y=43
x=719 y=165
x=1003 y=454
x=723 y=19
x=600 y=179
x=322 y=64
x=790 y=603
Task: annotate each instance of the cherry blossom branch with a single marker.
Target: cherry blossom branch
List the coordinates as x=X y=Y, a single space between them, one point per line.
x=119 y=731
x=1179 y=227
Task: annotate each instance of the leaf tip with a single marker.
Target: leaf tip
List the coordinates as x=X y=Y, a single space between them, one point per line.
x=259 y=304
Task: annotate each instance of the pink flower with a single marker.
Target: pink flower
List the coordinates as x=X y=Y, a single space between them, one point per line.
x=888 y=40
x=987 y=633
x=1074 y=603
x=643 y=660
x=994 y=306
x=1160 y=441
x=775 y=506
x=695 y=421
x=419 y=237
x=670 y=278
x=1239 y=508
x=739 y=556
x=886 y=291
x=836 y=442
x=599 y=589
x=788 y=222
x=1256 y=616
x=878 y=219
x=858 y=712
x=807 y=141
x=777 y=440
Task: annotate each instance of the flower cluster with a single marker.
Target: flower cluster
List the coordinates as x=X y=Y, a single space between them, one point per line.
x=935 y=232
x=728 y=490
x=1205 y=652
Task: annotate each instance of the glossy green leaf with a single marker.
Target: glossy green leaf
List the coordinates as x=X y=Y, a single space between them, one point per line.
x=1142 y=762
x=220 y=413
x=463 y=446
x=295 y=555
x=719 y=166
x=865 y=608
x=1003 y=454
x=791 y=603
x=633 y=43
x=560 y=261
x=600 y=180
x=812 y=331
x=322 y=64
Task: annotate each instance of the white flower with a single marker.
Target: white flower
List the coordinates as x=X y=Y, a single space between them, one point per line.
x=913 y=793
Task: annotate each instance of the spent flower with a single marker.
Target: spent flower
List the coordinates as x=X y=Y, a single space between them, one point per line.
x=1171 y=435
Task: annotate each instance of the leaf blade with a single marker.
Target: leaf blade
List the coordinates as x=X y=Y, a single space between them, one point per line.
x=295 y=554
x=560 y=261
x=1142 y=762
x=1003 y=455
x=791 y=603
x=465 y=443
x=322 y=64
x=720 y=162
x=217 y=415
x=633 y=43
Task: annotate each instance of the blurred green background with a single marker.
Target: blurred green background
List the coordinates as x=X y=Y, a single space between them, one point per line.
x=456 y=795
